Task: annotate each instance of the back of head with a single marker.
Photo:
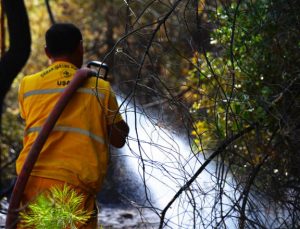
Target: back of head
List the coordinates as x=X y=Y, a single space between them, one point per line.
x=62 y=39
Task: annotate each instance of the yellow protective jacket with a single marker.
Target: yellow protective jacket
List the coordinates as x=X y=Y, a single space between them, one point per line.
x=77 y=149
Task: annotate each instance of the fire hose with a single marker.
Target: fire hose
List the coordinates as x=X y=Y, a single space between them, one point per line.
x=80 y=76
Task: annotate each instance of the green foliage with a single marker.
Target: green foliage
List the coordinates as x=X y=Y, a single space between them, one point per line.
x=250 y=78
x=60 y=208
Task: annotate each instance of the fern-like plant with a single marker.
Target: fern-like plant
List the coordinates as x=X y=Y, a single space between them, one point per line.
x=58 y=209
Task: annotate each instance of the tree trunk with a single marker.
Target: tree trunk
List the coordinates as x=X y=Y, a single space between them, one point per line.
x=19 y=46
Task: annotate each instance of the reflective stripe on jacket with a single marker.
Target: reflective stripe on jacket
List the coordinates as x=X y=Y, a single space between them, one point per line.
x=77 y=149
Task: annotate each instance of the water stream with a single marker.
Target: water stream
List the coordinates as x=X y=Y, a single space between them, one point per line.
x=162 y=161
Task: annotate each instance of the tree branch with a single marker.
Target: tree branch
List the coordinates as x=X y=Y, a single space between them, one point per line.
x=51 y=16
x=219 y=150
x=19 y=50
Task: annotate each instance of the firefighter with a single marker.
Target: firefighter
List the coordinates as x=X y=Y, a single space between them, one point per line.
x=76 y=151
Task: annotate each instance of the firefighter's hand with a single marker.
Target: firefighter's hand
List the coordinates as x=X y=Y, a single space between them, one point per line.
x=88 y=71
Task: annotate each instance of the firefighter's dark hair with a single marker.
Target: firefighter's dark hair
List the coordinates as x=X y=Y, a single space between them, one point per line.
x=62 y=39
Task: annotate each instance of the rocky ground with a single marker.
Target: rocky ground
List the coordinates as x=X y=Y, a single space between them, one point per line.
x=120 y=218
x=117 y=218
